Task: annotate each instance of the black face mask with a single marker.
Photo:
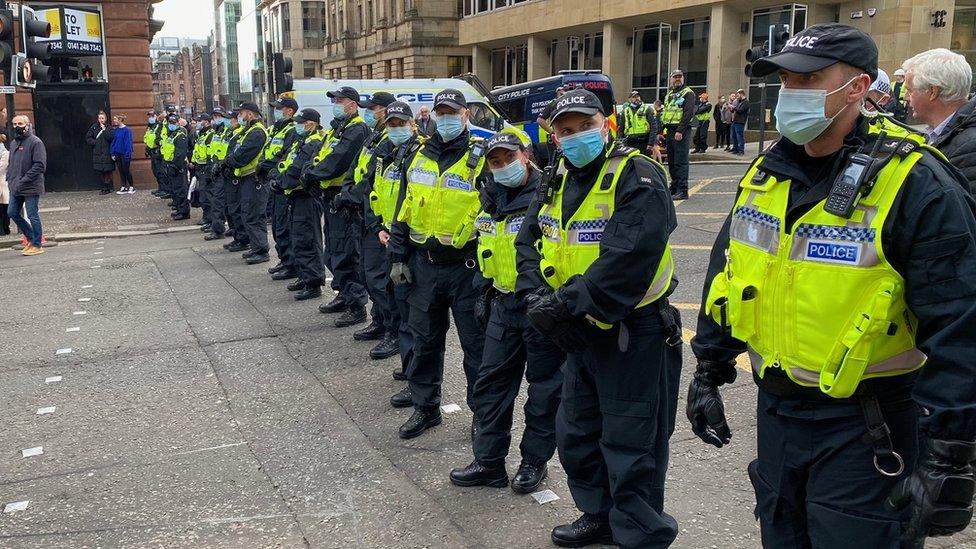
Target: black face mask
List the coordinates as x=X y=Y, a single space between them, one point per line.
x=20 y=132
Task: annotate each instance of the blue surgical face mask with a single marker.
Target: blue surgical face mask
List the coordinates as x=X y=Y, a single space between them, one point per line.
x=449 y=126
x=511 y=175
x=369 y=118
x=199 y=126
x=278 y=115
x=582 y=148
x=152 y=119
x=338 y=111
x=173 y=127
x=399 y=136
x=801 y=114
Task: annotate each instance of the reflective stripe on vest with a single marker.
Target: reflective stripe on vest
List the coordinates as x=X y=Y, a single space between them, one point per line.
x=496 y=249
x=635 y=120
x=703 y=116
x=251 y=166
x=330 y=141
x=149 y=138
x=366 y=156
x=293 y=153
x=277 y=142
x=674 y=107
x=569 y=246
x=441 y=205
x=217 y=149
x=200 y=147
x=168 y=147
x=822 y=303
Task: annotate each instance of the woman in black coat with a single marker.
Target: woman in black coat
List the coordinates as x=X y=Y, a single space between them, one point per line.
x=99 y=138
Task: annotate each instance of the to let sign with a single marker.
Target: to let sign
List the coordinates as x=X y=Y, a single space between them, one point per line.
x=74 y=31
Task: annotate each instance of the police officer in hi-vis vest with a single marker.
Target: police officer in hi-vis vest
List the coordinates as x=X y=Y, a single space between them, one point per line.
x=337 y=155
x=200 y=166
x=151 y=140
x=847 y=271
x=173 y=149
x=281 y=137
x=433 y=243
x=232 y=188
x=217 y=151
x=382 y=185
x=513 y=349
x=595 y=262
x=305 y=207
x=244 y=162
x=676 y=116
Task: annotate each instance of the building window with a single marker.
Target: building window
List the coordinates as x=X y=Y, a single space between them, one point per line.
x=963 y=40
x=458 y=64
x=285 y=27
x=387 y=69
x=399 y=68
x=369 y=15
x=313 y=24
x=308 y=68
x=593 y=51
x=652 y=59
x=576 y=53
x=794 y=15
x=509 y=65
x=693 y=52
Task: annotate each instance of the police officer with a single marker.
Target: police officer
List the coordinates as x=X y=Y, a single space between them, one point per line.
x=867 y=392
x=899 y=90
x=328 y=170
x=640 y=123
x=232 y=189
x=382 y=186
x=433 y=249
x=151 y=140
x=282 y=137
x=200 y=166
x=595 y=261
x=244 y=161
x=703 y=114
x=369 y=253
x=305 y=207
x=173 y=153
x=217 y=152
x=676 y=116
x=512 y=347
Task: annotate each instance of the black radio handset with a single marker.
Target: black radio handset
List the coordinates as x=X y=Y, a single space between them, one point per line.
x=853 y=182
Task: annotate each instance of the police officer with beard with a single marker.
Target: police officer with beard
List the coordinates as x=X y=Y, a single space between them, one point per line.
x=847 y=271
x=597 y=266
x=512 y=347
x=676 y=117
x=282 y=135
x=433 y=248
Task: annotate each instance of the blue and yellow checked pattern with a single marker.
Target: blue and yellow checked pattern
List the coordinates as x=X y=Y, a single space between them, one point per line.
x=588 y=225
x=750 y=214
x=830 y=232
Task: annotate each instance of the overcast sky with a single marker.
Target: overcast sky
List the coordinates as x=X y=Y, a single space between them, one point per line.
x=185 y=18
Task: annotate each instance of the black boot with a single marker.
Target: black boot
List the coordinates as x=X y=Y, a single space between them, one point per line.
x=398 y=374
x=337 y=305
x=296 y=285
x=214 y=236
x=370 y=333
x=236 y=246
x=258 y=257
x=352 y=316
x=403 y=399
x=280 y=266
x=586 y=530
x=477 y=474
x=420 y=421
x=284 y=274
x=310 y=292
x=529 y=476
x=387 y=347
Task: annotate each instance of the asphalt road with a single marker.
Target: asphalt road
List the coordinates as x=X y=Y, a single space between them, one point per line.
x=191 y=402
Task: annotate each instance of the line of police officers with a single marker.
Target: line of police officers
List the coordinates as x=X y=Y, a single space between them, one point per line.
x=561 y=276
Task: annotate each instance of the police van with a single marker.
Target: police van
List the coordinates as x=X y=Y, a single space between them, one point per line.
x=484 y=120
x=521 y=104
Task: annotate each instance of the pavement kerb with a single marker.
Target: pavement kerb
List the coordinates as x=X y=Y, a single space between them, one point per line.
x=68 y=237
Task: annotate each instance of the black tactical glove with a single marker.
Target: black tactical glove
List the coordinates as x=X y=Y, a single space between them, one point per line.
x=939 y=492
x=550 y=316
x=705 y=409
x=483 y=304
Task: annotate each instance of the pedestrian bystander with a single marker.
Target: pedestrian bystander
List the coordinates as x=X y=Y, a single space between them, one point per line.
x=25 y=179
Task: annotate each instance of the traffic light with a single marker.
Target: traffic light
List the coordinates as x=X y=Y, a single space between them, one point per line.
x=753 y=54
x=30 y=69
x=778 y=36
x=281 y=67
x=6 y=41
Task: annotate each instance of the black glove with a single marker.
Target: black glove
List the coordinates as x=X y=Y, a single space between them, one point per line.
x=705 y=409
x=940 y=491
x=483 y=304
x=550 y=316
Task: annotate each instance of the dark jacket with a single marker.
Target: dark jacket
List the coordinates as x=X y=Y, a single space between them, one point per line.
x=28 y=162
x=741 y=111
x=428 y=128
x=929 y=240
x=958 y=142
x=101 y=143
x=344 y=153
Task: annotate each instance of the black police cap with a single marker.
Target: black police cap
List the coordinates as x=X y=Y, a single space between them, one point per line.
x=399 y=109
x=819 y=47
x=219 y=111
x=253 y=107
x=503 y=140
x=383 y=99
x=345 y=91
x=452 y=98
x=287 y=102
x=305 y=115
x=173 y=117
x=578 y=100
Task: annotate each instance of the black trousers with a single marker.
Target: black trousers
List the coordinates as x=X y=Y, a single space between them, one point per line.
x=281 y=229
x=701 y=135
x=678 y=160
x=437 y=291
x=125 y=174
x=638 y=142
x=613 y=426
x=306 y=237
x=179 y=186
x=815 y=481
x=232 y=192
x=402 y=317
x=343 y=236
x=216 y=190
x=376 y=274
x=513 y=349
x=155 y=163
x=202 y=173
x=254 y=203
x=721 y=134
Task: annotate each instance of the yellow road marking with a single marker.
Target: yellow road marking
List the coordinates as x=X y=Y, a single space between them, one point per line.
x=705 y=214
x=690 y=247
x=685 y=306
x=742 y=362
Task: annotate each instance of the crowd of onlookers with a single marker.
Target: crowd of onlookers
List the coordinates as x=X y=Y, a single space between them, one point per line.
x=111 y=150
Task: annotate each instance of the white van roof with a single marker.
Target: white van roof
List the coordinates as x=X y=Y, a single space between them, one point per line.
x=414 y=91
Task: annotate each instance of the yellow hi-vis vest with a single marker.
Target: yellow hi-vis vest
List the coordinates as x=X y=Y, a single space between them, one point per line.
x=331 y=139
x=674 y=106
x=149 y=138
x=251 y=166
x=217 y=148
x=635 y=120
x=366 y=156
x=200 y=148
x=293 y=152
x=386 y=187
x=496 y=249
x=441 y=205
x=168 y=146
x=273 y=149
x=569 y=246
x=822 y=303
x=703 y=116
